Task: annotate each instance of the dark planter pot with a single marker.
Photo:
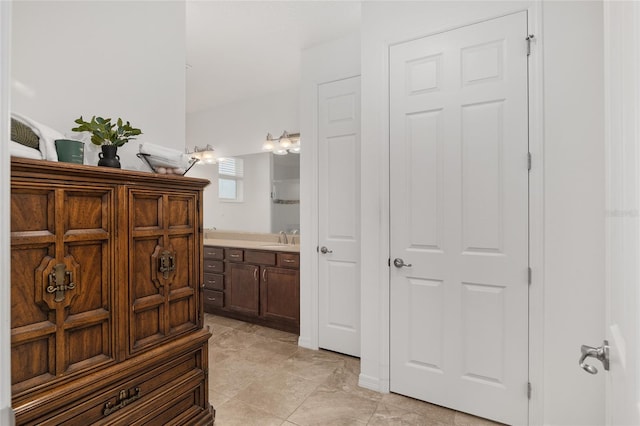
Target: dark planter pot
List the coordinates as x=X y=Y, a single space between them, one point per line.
x=108 y=156
x=70 y=151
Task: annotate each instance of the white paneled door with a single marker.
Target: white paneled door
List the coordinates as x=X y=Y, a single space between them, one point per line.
x=459 y=219
x=339 y=210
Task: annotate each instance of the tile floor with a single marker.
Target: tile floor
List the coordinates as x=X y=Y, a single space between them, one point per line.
x=259 y=376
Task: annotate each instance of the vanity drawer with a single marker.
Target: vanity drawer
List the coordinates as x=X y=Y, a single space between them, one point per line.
x=213 y=266
x=234 y=255
x=216 y=253
x=260 y=257
x=213 y=299
x=289 y=260
x=214 y=281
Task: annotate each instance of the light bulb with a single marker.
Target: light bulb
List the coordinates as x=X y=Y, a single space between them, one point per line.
x=284 y=140
x=268 y=144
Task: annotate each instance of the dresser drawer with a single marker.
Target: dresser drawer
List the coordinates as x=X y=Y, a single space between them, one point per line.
x=216 y=253
x=214 y=281
x=289 y=260
x=234 y=255
x=126 y=398
x=213 y=266
x=213 y=299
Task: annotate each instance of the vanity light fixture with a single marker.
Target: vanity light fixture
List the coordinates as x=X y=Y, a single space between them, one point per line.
x=206 y=154
x=286 y=143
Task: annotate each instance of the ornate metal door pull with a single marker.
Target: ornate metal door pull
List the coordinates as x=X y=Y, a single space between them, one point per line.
x=167 y=263
x=57 y=279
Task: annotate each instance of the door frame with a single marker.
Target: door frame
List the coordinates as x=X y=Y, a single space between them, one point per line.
x=536 y=219
x=6 y=413
x=620 y=40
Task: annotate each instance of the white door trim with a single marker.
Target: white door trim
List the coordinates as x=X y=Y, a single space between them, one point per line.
x=536 y=217
x=6 y=413
x=622 y=130
x=380 y=170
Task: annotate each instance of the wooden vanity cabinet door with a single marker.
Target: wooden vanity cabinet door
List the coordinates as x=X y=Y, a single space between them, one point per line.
x=62 y=272
x=280 y=296
x=242 y=292
x=164 y=290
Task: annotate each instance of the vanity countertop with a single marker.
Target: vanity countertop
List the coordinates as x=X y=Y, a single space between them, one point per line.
x=254 y=245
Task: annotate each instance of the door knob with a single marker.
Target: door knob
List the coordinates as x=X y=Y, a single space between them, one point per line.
x=325 y=250
x=399 y=263
x=601 y=353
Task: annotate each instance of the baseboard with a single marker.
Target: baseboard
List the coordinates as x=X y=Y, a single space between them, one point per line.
x=373 y=383
x=305 y=342
x=7 y=417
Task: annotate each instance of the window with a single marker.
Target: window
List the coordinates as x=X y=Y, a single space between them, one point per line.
x=230 y=174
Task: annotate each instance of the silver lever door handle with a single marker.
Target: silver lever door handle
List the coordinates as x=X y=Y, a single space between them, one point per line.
x=325 y=250
x=601 y=353
x=399 y=263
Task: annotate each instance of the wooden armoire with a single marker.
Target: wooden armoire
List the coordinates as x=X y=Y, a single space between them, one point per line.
x=106 y=302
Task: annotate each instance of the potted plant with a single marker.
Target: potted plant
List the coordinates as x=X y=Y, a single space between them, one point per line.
x=109 y=136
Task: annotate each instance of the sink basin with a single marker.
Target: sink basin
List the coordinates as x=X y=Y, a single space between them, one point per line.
x=274 y=246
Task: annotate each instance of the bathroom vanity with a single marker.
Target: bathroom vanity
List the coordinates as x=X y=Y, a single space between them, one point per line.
x=253 y=281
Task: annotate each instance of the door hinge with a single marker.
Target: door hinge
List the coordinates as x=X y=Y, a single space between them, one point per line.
x=529 y=275
x=317 y=249
x=389 y=262
x=528 y=390
x=529 y=161
x=529 y=38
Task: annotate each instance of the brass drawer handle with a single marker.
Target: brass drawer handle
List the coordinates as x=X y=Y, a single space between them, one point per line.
x=124 y=398
x=211 y=299
x=289 y=261
x=234 y=255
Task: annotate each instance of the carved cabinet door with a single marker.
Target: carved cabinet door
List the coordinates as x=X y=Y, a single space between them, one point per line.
x=164 y=266
x=62 y=316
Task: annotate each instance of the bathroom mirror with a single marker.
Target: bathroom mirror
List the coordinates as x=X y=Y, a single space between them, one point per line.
x=268 y=195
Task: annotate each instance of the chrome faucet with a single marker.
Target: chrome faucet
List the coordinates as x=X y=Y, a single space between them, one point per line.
x=293 y=237
x=282 y=238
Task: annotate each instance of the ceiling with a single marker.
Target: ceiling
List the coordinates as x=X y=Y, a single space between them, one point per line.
x=238 y=50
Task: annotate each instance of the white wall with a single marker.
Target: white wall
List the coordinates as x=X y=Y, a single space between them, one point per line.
x=6 y=414
x=112 y=59
x=327 y=62
x=567 y=289
x=253 y=214
x=241 y=127
x=139 y=76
